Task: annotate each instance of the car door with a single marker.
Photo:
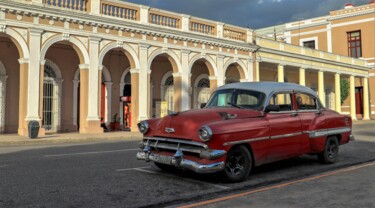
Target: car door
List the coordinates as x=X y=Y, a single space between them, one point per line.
x=312 y=117
x=285 y=128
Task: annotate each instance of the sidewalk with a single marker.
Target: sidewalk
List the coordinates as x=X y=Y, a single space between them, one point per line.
x=14 y=139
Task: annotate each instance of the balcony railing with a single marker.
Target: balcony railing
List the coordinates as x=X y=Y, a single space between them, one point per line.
x=234 y=34
x=202 y=28
x=118 y=10
x=79 y=5
x=164 y=20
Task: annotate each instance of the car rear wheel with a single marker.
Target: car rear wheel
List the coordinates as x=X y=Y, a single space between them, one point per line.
x=238 y=164
x=331 y=151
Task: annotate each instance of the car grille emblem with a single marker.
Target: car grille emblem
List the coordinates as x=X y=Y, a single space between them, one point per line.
x=169 y=130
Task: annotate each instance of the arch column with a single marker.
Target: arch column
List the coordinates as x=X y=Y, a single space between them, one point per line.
x=178 y=92
x=280 y=73
x=250 y=71
x=3 y=80
x=220 y=76
x=366 y=106
x=108 y=100
x=352 y=98
x=75 y=101
x=321 y=92
x=213 y=83
x=337 y=93
x=185 y=81
x=23 y=100
x=84 y=96
x=143 y=88
x=34 y=76
x=135 y=99
x=257 y=71
x=42 y=131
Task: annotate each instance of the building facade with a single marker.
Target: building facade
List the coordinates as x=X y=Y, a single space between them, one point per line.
x=74 y=64
x=349 y=32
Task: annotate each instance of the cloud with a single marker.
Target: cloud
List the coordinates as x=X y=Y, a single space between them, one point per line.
x=251 y=13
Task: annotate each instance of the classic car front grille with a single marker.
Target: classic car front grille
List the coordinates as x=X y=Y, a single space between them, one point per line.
x=171 y=145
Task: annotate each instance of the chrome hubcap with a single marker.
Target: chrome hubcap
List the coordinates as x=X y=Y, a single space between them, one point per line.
x=235 y=164
x=332 y=150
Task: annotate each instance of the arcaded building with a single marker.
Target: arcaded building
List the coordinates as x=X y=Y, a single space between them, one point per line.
x=73 y=65
x=349 y=31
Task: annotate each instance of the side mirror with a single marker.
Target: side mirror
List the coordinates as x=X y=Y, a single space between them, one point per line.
x=203 y=105
x=270 y=108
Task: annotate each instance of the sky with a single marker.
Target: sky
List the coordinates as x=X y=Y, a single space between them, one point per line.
x=253 y=14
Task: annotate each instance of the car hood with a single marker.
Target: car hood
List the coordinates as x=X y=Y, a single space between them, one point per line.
x=185 y=125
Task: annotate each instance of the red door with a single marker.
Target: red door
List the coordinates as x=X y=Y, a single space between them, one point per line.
x=285 y=129
x=359 y=100
x=102 y=102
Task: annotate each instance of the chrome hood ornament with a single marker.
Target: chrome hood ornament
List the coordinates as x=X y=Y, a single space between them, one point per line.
x=169 y=130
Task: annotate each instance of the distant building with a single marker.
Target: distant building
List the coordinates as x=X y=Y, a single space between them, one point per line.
x=348 y=32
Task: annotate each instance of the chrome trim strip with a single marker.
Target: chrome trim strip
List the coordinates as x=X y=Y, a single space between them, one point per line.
x=176 y=141
x=246 y=141
x=286 y=135
x=325 y=132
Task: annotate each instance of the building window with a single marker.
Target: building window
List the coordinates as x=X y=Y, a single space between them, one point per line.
x=309 y=44
x=354 y=44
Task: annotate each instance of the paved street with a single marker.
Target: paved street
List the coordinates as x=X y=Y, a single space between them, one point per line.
x=108 y=175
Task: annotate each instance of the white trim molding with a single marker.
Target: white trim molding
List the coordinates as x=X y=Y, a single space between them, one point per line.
x=301 y=41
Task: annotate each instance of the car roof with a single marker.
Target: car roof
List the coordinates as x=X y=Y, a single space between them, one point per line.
x=268 y=87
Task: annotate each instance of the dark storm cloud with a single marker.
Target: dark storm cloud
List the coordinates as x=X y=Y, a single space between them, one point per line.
x=251 y=13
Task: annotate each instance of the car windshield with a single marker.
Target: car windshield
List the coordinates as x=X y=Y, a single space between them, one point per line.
x=244 y=99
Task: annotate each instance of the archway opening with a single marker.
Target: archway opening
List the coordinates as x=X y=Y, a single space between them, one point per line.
x=233 y=74
x=9 y=85
x=61 y=61
x=200 y=82
x=162 y=87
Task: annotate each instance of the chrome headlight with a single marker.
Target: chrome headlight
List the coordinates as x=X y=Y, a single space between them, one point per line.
x=205 y=133
x=143 y=127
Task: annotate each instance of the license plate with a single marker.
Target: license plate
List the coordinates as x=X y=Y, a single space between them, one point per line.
x=163 y=159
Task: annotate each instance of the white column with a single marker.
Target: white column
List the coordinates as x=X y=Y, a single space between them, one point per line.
x=220 y=30
x=280 y=73
x=185 y=79
x=352 y=98
x=257 y=71
x=220 y=70
x=34 y=75
x=302 y=76
x=337 y=93
x=143 y=82
x=250 y=71
x=121 y=108
x=108 y=101
x=366 y=101
x=249 y=36
x=95 y=7
x=2 y=102
x=321 y=92
x=329 y=38
x=93 y=104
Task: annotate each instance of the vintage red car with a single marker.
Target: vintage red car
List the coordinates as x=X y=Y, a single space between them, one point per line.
x=244 y=125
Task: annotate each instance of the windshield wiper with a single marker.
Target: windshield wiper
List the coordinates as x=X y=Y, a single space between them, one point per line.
x=235 y=105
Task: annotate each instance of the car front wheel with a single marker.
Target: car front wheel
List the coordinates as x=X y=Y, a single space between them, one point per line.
x=238 y=164
x=331 y=151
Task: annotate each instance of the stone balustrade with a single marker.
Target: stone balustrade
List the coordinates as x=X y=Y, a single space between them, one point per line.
x=235 y=34
x=201 y=27
x=79 y=5
x=163 y=19
x=119 y=10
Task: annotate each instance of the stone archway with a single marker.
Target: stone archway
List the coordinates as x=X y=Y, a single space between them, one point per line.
x=235 y=71
x=201 y=90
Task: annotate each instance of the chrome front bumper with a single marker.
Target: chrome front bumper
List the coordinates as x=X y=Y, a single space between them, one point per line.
x=178 y=161
x=351 y=138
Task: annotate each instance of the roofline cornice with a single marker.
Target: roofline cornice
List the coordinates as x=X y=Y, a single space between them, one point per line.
x=94 y=20
x=354 y=14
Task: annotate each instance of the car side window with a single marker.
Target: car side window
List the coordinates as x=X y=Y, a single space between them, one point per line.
x=283 y=100
x=306 y=102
